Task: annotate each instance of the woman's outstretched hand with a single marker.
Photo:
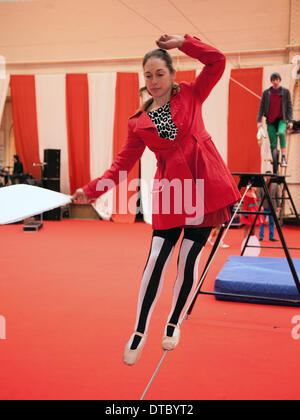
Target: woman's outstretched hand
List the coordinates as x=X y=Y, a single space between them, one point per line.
x=81 y=197
x=168 y=42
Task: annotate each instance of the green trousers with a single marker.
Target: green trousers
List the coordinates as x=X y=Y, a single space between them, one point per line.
x=272 y=131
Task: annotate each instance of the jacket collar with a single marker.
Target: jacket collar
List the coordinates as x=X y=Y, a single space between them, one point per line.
x=145 y=122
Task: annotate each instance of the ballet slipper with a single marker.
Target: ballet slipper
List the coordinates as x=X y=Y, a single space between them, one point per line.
x=132 y=356
x=169 y=343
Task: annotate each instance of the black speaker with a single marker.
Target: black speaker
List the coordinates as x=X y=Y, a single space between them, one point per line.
x=54 y=214
x=51 y=168
x=51 y=179
x=52 y=184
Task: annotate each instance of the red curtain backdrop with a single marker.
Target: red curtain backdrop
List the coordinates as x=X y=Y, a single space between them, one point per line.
x=127 y=103
x=185 y=76
x=243 y=150
x=25 y=122
x=77 y=103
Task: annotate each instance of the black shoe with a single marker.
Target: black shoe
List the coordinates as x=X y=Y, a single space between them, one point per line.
x=274 y=240
x=261 y=239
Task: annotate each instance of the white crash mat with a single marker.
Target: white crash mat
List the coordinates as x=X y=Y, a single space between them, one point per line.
x=20 y=201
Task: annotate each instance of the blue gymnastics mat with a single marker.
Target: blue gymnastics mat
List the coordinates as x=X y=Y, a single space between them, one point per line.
x=258 y=276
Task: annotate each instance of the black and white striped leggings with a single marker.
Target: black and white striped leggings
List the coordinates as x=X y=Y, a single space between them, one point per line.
x=162 y=247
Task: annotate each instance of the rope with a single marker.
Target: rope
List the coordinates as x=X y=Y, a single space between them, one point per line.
x=247 y=89
x=141 y=16
x=154 y=374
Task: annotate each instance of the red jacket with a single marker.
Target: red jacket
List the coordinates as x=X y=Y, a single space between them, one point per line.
x=191 y=156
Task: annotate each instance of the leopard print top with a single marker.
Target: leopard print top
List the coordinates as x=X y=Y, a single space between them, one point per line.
x=162 y=120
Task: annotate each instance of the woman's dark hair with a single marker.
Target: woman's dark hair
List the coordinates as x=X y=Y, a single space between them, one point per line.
x=16 y=157
x=163 y=55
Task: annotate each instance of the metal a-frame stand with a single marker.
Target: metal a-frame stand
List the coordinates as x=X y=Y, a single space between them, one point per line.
x=256 y=180
x=281 y=180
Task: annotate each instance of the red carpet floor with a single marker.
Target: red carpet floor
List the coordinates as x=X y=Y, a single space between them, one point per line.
x=68 y=295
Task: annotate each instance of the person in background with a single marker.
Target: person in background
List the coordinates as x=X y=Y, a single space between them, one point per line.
x=18 y=169
x=273 y=190
x=276 y=106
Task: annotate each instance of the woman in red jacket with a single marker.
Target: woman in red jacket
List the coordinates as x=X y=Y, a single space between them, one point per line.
x=202 y=192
